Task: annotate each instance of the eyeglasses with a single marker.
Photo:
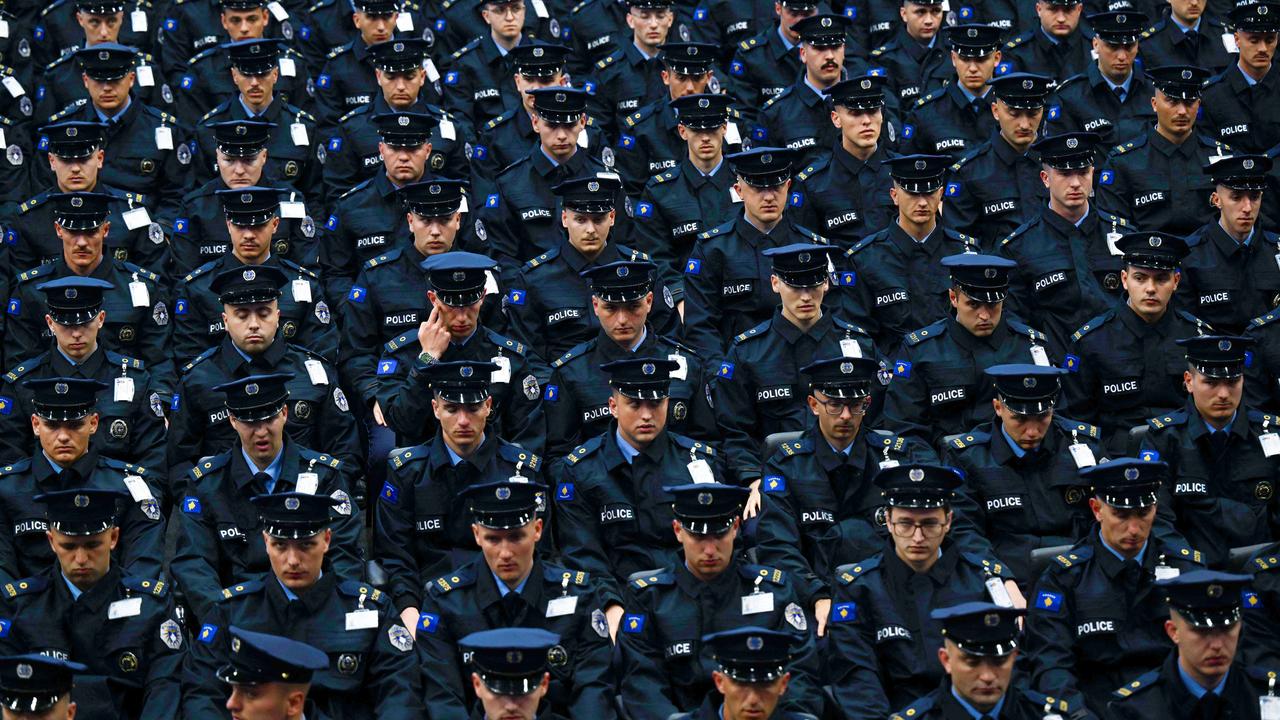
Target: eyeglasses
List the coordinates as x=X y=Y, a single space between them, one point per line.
x=856 y=407
x=931 y=530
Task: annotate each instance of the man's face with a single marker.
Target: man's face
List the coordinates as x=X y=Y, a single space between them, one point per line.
x=462 y=423
x=823 y=64
x=1115 y=60
x=917 y=534
x=109 y=95
x=245 y=24
x=588 y=232
x=252 y=243
x=560 y=140
x=623 y=322
x=262 y=439
x=1027 y=431
x=788 y=17
x=505 y=19
x=1125 y=529
x=1257 y=49
x=841 y=427
x=252 y=327
x=297 y=562
x=77 y=341
x=64 y=709
x=374 y=28
x=1018 y=126
x=404 y=164
x=100 y=28
x=238 y=172
x=764 y=204
x=1215 y=398
x=749 y=701
x=66 y=441
x=266 y=701
x=1068 y=189
x=459 y=320
x=84 y=559
x=1239 y=208
x=707 y=555
x=1188 y=11
x=434 y=235
x=704 y=145
x=1057 y=20
x=1149 y=290
x=524 y=84
x=400 y=89
x=974 y=73
x=979 y=318
x=980 y=680
x=916 y=208
x=679 y=84
x=510 y=707
x=75 y=174
x=860 y=128
x=82 y=249
x=639 y=421
x=1206 y=652
x=509 y=553
x=256 y=89
x=649 y=26
x=922 y=21
x=801 y=304
x=1176 y=116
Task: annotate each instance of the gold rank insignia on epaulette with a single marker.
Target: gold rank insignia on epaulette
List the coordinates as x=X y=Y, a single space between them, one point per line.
x=328 y=460
x=632 y=119
x=519 y=347
x=1194 y=555
x=995 y=568
x=790 y=448
x=1090 y=430
x=532 y=460
x=606 y=62
x=155 y=588
x=538 y=260
x=846 y=577
x=1067 y=560
x=576 y=455
x=201 y=469
x=398 y=460
x=14 y=589
x=375 y=262
x=1268 y=563
x=641 y=582
x=960 y=443
x=234 y=590
x=374 y=593
x=447 y=584
x=774 y=577
x=578 y=578
x=1159 y=422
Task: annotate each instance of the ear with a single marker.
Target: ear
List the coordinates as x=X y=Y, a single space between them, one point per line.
x=944 y=657
x=1171 y=630
x=1095 y=505
x=1186 y=380
x=115 y=537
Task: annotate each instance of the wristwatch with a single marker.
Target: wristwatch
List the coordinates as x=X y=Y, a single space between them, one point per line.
x=426 y=358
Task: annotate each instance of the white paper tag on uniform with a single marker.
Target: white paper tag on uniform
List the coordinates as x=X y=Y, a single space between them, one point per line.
x=138 y=488
x=1112 y=239
x=682 y=366
x=4 y=28
x=849 y=348
x=3 y=144
x=136 y=218
x=298 y=132
x=503 y=373
x=757 y=603
x=700 y=471
x=734 y=196
x=308 y=483
x=316 y=372
x=288 y=68
x=404 y=22
x=139 y=295
x=122 y=389
x=1039 y=356
x=582 y=139
x=293 y=209
x=164 y=138
x=886 y=464
x=1082 y=454
x=1270 y=443
x=132 y=607
x=1277 y=254
x=1215 y=158
x=277 y=11
x=301 y=290
x=13 y=86
x=433 y=74
x=447 y=130
x=562 y=606
x=138 y=19
x=490 y=283
x=1093 y=54
x=1269 y=707
x=1229 y=41
x=146 y=76
x=540 y=9
x=998 y=592
x=1164 y=572
x=362 y=619
x=731 y=134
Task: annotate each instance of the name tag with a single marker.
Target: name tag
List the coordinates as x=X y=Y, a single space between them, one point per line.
x=139 y=295
x=999 y=208
x=1083 y=455
x=949 y=395
x=298 y=132
x=308 y=483
x=122 y=389
x=503 y=373
x=560 y=606
x=164 y=138
x=301 y=289
x=317 y=373
x=1039 y=356
x=1050 y=280
x=1094 y=627
x=891 y=298
x=1270 y=443
x=700 y=471
x=757 y=603
x=362 y=619
x=138 y=19
x=136 y=218
x=138 y=488
x=124 y=608
x=849 y=348
x=774 y=393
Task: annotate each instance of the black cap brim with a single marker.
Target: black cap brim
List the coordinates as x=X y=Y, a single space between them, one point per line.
x=62 y=413
x=920 y=186
x=1211 y=619
x=1069 y=162
x=258 y=413
x=506 y=520
x=613 y=294
x=645 y=391
x=1029 y=406
x=79 y=222
x=510 y=684
x=83 y=529
x=462 y=396
x=987 y=648
x=74 y=318
x=559 y=118
x=1248 y=184
x=249 y=219
x=1022 y=103
x=974 y=52
x=1125 y=38
x=293 y=530
x=803 y=279
x=239 y=150
x=984 y=295
x=922 y=499
x=1129 y=498
x=1152 y=262
x=860 y=103
x=707 y=526
x=845 y=390
x=753 y=673
x=460 y=298
x=593 y=207
x=1222 y=371
x=34 y=703
x=73 y=150
x=766 y=180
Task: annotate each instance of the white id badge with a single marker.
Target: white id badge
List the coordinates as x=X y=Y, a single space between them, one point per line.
x=308 y=483
x=490 y=282
x=433 y=74
x=164 y=138
x=700 y=471
x=1277 y=254
x=682 y=366
x=362 y=619
x=503 y=373
x=582 y=139
x=298 y=132
x=4 y=28
x=998 y=592
x=731 y=134
x=849 y=348
x=139 y=295
x=404 y=22
x=1083 y=455
x=301 y=288
x=123 y=389
x=316 y=372
x=447 y=130
x=277 y=11
x=138 y=19
x=1164 y=572
x=561 y=606
x=1229 y=41
x=1112 y=239
x=292 y=210
x=757 y=603
x=886 y=464
x=146 y=76
x=540 y=9
x=734 y=196
x=1039 y=356
x=13 y=86
x=1269 y=707
x=1270 y=443
x=136 y=218
x=288 y=68
x=138 y=488
x=131 y=607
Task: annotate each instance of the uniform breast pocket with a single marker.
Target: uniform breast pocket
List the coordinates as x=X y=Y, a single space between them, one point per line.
x=775 y=400
x=144 y=166
x=1123 y=387
x=348 y=657
x=303 y=410
x=816 y=518
x=1154 y=197
x=949 y=386
x=618 y=522
x=1216 y=290
x=1052 y=277
x=1097 y=623
x=117 y=425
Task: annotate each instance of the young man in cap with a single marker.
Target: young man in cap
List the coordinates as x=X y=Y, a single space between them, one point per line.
x=509 y=673
x=845 y=193
x=679 y=204
x=1096 y=616
x=549 y=303
x=351 y=154
x=218 y=527
x=123 y=628
x=1121 y=365
x=1057 y=47
x=996 y=187
x=952 y=120
x=345 y=81
x=1155 y=178
x=368 y=219
x=765 y=64
x=328 y=25
x=911 y=56
x=1066 y=271
x=1239 y=108
x=372 y=670
x=1186 y=35
x=475 y=85
x=882 y=640
x=270 y=676
x=890 y=281
x=461 y=24
x=452 y=331
x=37 y=687
x=253 y=217
x=193 y=28
x=130 y=406
x=1228 y=277
x=237 y=149
x=511 y=587
x=422 y=526
x=751 y=676
x=64 y=421
x=1201 y=677
x=672 y=608
x=937 y=388
x=630 y=77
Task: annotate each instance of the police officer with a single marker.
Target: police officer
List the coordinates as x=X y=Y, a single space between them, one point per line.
x=726 y=278
x=68 y=25
x=15 y=181
x=137 y=323
x=672 y=608
x=883 y=640
x=271 y=673
x=912 y=57
x=368 y=219
x=1067 y=271
x=252 y=220
x=328 y=25
x=1124 y=365
x=461 y=23
x=253 y=87
x=42 y=687
x=1057 y=46
x=1228 y=277
x=611 y=497
x=890 y=277
x=1186 y=35
x=549 y=303
x=630 y=77
x=1239 y=107
x=750 y=678
x=371 y=669
x=64 y=421
x=995 y=187
x=422 y=527
x=1200 y=678
x=954 y=119
x=351 y=152
x=765 y=64
x=678 y=204
x=124 y=628
x=577 y=399
x=510 y=672
x=846 y=193
x=201 y=233
x=346 y=78
x=190 y=28
x=452 y=332
x=511 y=587
x=60 y=80
x=130 y=407
x=476 y=85
x=219 y=527
x=319 y=415
x=937 y=388
x=1096 y=617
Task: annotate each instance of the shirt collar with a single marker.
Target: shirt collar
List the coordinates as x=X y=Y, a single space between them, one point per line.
x=846 y=452
x=714 y=170
x=1197 y=691
x=813 y=87
x=1085 y=216
x=291 y=595
x=640 y=50
x=785 y=42
x=629 y=453
x=75 y=591
x=1185 y=28
x=1052 y=40
x=1225 y=428
x=273 y=469
x=1248 y=239
x=455 y=458
x=502 y=52
x=503 y=590
x=644 y=333
x=67 y=357
x=57 y=469
x=1017 y=449
x=1139 y=557
x=129 y=101
x=1248 y=79
x=1128 y=83
x=968 y=96
x=973 y=711
x=249 y=113
x=550 y=159
x=241 y=353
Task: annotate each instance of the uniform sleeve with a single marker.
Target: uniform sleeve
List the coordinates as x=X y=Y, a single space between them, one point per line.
x=405 y=397
x=577 y=528
x=524 y=314
x=804 y=693
x=142 y=538
x=318 y=332
x=203 y=694
x=153 y=337
x=1050 y=637
x=340 y=172
x=24 y=326
x=1113 y=191
x=701 y=424
x=163 y=687
x=186 y=428
x=781 y=541
x=337 y=432
x=190 y=323
x=359 y=344
x=646 y=693
x=393 y=676
x=651 y=232
x=444 y=681
x=176 y=164
x=1080 y=384
x=906 y=404
x=338 y=263
x=852 y=666
x=346 y=553
x=16 y=439
x=702 y=306
x=523 y=420
x=1260 y=643
x=197 y=557
x=148 y=443
x=503 y=233
x=963 y=211
x=593 y=680
x=732 y=391
x=8 y=551
x=327 y=102
x=562 y=416
x=394 y=536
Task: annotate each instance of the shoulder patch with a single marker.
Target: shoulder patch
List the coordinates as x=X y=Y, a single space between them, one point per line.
x=25 y=586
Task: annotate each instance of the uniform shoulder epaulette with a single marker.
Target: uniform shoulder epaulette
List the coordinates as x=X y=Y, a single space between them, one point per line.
x=1070 y=81
x=558 y=574
x=1041 y=701
x=640 y=115
x=1017 y=40
x=969 y=439
x=987 y=564
x=1154 y=28
x=1263 y=320
x=802 y=446
x=848 y=573
x=298 y=112
x=1125 y=147
x=240 y=589
x=205 y=268
x=757 y=331
x=750 y=44
x=915 y=709
x=502 y=341
x=1093 y=324
x=930 y=97
x=928 y=332
x=584 y=450
x=1076 y=555
x=348 y=47
x=516 y=454
x=717 y=230
x=400 y=341
x=542 y=259
x=54 y=6
x=578 y=8
x=16 y=466
x=141 y=271
x=677 y=345
x=1111 y=218
x=647 y=578
x=881 y=439
x=25 y=367
x=574 y=352
x=689 y=443
x=664 y=176
x=1200 y=324
x=127 y=468
x=773 y=100
x=286 y=262
x=609 y=59
x=1212 y=142
x=1179 y=551
x=815 y=237
x=814 y=167
x=61 y=59
x=465 y=49
x=217 y=110
x=880 y=50
x=770 y=574
x=1137 y=685
x=354 y=112
x=1077 y=427
x=382 y=259
x=146 y=586
x=1027 y=330
x=495 y=122
x=862 y=244
x=1022 y=230
x=417 y=453
x=25 y=586
x=208 y=465
x=199 y=359
x=846 y=325
x=1177 y=417
x=1267 y=559
x=32 y=203
x=209 y=52
x=74 y=106
x=35 y=272
x=320 y=458
x=457 y=578
x=965 y=158
x=355 y=588
x=356 y=188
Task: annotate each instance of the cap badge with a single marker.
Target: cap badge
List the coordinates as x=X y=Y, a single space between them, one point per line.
x=865 y=84
x=537 y=52
x=24 y=671
x=1263 y=10
x=692 y=50
x=77 y=202
x=648 y=369
x=81 y=501
x=433 y=189
x=1028 y=382
x=624 y=271
x=1247 y=164
x=1213 y=591
x=251 y=389
x=1072 y=143
x=291 y=504
x=973 y=32
x=71 y=293
x=766 y=159
x=593 y=186
x=249 y=275
x=826 y=22
x=255 y=49
x=846 y=368
x=72 y=132
x=104 y=55
x=1131 y=473
x=704 y=103
x=459 y=276
x=755 y=642
x=398 y=47
x=916 y=475
x=403 y=120
x=705 y=498
x=803 y=257
x=989 y=273
x=1122 y=19
x=1027 y=84
x=61 y=388
x=515 y=657
x=1186 y=74
x=991 y=619
x=1224 y=345
x=246 y=198
x=466 y=371
x=502 y=493
x=561 y=97
x=1155 y=241
x=920 y=164
x=242 y=129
